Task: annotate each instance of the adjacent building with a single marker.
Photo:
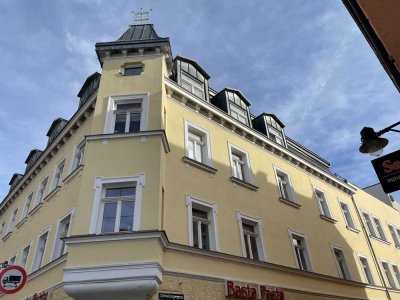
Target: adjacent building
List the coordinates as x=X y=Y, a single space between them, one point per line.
x=160 y=187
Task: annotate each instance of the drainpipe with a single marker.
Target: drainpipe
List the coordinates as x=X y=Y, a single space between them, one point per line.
x=375 y=259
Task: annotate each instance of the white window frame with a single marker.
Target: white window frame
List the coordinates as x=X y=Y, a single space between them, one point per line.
x=11 y=222
x=143 y=98
x=99 y=184
x=34 y=266
x=27 y=256
x=55 y=184
x=310 y=267
x=57 y=244
x=194 y=83
x=259 y=231
x=371 y=230
x=388 y=273
x=14 y=257
x=341 y=275
x=382 y=234
x=396 y=273
x=321 y=209
x=37 y=199
x=2 y=227
x=191 y=127
x=344 y=215
x=248 y=174
x=211 y=208
x=74 y=164
x=291 y=196
x=238 y=111
x=359 y=256
x=27 y=207
x=394 y=235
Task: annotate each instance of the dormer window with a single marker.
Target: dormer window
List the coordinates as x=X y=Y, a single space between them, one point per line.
x=234 y=103
x=191 y=77
x=271 y=126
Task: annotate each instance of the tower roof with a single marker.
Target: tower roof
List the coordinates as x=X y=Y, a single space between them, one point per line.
x=139 y=33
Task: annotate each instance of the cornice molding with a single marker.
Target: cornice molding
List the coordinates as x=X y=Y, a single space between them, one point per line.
x=177 y=93
x=77 y=120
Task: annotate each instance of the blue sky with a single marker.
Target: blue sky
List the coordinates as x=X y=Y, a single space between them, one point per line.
x=305 y=61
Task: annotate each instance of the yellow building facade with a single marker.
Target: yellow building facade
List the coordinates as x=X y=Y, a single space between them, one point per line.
x=160 y=187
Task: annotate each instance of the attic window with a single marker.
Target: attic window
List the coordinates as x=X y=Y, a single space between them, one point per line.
x=131 y=70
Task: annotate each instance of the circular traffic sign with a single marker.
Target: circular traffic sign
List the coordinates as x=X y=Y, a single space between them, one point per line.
x=12 y=279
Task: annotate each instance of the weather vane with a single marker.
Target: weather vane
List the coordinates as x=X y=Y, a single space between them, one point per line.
x=141 y=15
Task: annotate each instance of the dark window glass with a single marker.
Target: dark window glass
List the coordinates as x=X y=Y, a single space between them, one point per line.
x=134 y=123
x=120 y=120
x=205 y=240
x=133 y=71
x=109 y=215
x=127 y=211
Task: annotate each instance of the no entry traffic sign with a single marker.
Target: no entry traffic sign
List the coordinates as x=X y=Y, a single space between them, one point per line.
x=12 y=279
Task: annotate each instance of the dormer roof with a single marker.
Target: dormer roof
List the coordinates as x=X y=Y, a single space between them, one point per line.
x=31 y=154
x=193 y=63
x=87 y=82
x=54 y=125
x=272 y=116
x=239 y=93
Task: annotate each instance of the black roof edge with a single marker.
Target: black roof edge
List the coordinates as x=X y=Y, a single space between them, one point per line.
x=193 y=62
x=15 y=175
x=55 y=122
x=372 y=186
x=311 y=153
x=235 y=91
x=33 y=151
x=87 y=82
x=273 y=116
x=372 y=38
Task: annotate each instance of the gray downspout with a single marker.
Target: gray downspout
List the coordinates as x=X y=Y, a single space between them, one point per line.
x=375 y=259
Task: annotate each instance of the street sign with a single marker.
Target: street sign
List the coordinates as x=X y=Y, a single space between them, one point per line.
x=388 y=170
x=12 y=279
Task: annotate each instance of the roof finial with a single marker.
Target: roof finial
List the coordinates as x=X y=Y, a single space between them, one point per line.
x=141 y=15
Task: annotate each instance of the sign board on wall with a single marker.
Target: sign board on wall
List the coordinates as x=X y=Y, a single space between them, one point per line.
x=171 y=296
x=12 y=279
x=251 y=291
x=388 y=170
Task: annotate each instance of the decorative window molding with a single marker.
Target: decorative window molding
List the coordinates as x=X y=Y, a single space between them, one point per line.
x=41 y=191
x=2 y=227
x=394 y=231
x=374 y=227
x=11 y=222
x=63 y=231
x=58 y=173
x=366 y=269
x=202 y=220
x=122 y=116
x=25 y=255
x=100 y=186
x=348 y=218
x=240 y=164
x=340 y=262
x=300 y=251
x=41 y=246
x=251 y=236
x=322 y=203
x=27 y=206
x=78 y=157
x=285 y=186
x=131 y=69
x=197 y=144
x=389 y=277
x=396 y=273
x=12 y=260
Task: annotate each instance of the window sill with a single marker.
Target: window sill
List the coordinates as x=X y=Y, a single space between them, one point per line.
x=353 y=229
x=244 y=183
x=329 y=219
x=7 y=236
x=290 y=203
x=52 y=193
x=35 y=209
x=378 y=239
x=199 y=165
x=73 y=174
x=19 y=224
